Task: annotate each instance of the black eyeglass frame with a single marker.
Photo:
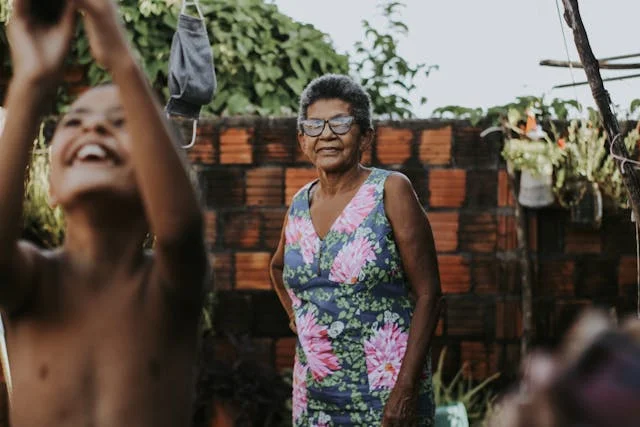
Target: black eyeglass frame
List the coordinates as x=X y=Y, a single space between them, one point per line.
x=349 y=123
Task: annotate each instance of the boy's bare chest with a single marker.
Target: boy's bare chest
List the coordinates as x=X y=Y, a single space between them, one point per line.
x=111 y=352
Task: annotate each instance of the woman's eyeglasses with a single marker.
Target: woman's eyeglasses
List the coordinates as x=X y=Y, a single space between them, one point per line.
x=338 y=125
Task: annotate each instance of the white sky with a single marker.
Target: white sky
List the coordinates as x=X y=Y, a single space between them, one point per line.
x=488 y=50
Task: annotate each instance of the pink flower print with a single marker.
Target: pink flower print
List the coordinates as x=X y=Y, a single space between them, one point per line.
x=295 y=301
x=299 y=399
x=300 y=231
x=323 y=420
x=350 y=260
x=314 y=340
x=384 y=353
x=357 y=210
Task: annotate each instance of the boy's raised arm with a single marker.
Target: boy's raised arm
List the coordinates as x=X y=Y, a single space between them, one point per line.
x=37 y=53
x=169 y=198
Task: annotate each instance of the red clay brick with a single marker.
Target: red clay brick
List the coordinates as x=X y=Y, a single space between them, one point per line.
x=454 y=274
x=478 y=232
x=222 y=265
x=393 y=146
x=486 y=275
x=447 y=188
x=252 y=271
x=507 y=234
x=435 y=146
x=211 y=231
x=627 y=277
x=627 y=271
x=555 y=279
x=296 y=178
x=510 y=362
x=508 y=319
x=439 y=328
x=505 y=198
x=285 y=353
x=445 y=230
x=235 y=146
x=272 y=227
x=222 y=187
x=480 y=360
x=276 y=142
x=466 y=317
x=203 y=152
x=579 y=241
x=265 y=186
x=241 y=229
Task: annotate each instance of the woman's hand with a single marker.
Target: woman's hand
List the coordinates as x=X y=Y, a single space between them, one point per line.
x=401 y=409
x=105 y=32
x=38 y=49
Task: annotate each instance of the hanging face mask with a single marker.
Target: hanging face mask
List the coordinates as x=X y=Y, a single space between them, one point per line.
x=192 y=78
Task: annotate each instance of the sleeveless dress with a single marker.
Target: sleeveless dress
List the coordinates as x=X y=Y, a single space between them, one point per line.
x=352 y=309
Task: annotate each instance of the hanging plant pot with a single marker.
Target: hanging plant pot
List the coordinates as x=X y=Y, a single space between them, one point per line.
x=587 y=211
x=452 y=415
x=535 y=190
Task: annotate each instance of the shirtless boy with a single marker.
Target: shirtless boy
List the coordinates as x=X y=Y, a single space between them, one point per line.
x=100 y=333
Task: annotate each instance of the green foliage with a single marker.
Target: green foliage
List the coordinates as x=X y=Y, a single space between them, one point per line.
x=387 y=76
x=263 y=58
x=537 y=157
x=474 y=115
x=575 y=156
x=587 y=160
x=557 y=109
x=476 y=397
x=41 y=221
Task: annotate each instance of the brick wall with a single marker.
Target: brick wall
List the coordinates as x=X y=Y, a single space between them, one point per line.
x=249 y=168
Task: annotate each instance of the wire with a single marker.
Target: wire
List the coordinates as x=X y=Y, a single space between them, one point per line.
x=566 y=49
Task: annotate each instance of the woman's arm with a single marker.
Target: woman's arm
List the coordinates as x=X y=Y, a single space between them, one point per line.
x=276 y=268
x=414 y=239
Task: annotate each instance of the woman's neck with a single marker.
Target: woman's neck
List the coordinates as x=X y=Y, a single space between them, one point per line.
x=332 y=183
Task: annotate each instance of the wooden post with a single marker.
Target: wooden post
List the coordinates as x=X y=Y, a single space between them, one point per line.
x=522 y=233
x=603 y=101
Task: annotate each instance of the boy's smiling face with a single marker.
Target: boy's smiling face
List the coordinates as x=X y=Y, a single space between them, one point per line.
x=91 y=150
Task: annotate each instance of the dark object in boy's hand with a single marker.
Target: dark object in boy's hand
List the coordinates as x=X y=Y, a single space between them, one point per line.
x=46 y=11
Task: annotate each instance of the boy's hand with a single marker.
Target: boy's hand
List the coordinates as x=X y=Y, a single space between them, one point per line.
x=105 y=31
x=37 y=49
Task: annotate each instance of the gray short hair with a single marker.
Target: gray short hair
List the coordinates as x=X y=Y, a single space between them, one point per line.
x=337 y=86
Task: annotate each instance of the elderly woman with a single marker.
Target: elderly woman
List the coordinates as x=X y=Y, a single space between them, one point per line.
x=356 y=270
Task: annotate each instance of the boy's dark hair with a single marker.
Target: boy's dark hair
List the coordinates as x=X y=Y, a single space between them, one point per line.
x=255 y=390
x=603 y=386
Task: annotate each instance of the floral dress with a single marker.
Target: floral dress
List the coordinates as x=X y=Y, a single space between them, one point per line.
x=353 y=310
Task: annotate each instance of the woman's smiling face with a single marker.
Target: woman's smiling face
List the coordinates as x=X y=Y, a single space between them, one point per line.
x=330 y=151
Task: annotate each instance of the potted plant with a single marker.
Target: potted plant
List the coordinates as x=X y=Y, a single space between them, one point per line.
x=535 y=155
x=587 y=172
x=460 y=402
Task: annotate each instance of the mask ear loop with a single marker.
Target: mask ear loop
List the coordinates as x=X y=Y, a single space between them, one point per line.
x=195 y=3
x=194 y=132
